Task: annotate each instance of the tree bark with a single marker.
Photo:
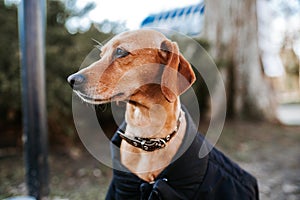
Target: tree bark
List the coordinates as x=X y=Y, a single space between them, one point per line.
x=231 y=29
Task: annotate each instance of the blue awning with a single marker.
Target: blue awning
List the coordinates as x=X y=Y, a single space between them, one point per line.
x=150 y=19
x=175 y=19
x=199 y=8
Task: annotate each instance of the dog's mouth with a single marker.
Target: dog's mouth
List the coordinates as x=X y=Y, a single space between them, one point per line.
x=97 y=101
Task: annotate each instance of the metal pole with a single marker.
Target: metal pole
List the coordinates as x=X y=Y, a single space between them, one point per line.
x=32 y=20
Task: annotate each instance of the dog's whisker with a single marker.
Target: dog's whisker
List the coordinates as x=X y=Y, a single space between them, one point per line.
x=98 y=45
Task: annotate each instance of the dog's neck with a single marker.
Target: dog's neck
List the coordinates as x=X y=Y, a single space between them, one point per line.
x=150 y=115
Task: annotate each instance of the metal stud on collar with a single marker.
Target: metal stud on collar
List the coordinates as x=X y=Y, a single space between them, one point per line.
x=150 y=144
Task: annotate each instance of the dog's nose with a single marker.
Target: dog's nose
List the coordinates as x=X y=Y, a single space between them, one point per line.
x=76 y=80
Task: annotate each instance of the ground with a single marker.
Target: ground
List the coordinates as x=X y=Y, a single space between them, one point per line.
x=271 y=153
x=268 y=151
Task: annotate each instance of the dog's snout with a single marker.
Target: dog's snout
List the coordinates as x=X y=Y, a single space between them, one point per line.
x=76 y=80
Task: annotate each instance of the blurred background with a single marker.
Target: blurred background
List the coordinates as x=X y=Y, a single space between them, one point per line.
x=254 y=43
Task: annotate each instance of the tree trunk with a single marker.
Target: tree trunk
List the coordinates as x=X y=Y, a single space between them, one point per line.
x=231 y=29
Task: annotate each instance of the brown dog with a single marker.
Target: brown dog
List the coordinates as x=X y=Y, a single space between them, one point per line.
x=146 y=70
x=130 y=69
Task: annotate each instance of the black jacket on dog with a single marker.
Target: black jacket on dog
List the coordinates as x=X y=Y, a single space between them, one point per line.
x=188 y=177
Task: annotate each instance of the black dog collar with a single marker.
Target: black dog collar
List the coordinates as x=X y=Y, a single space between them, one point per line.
x=150 y=144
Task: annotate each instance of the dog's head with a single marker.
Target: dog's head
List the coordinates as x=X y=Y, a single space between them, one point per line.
x=132 y=60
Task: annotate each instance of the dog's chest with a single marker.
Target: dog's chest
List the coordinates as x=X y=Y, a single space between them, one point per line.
x=147 y=166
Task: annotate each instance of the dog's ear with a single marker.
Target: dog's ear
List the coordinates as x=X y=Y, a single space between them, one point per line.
x=178 y=74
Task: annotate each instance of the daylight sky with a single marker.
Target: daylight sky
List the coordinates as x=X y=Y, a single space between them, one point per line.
x=131 y=11
x=134 y=11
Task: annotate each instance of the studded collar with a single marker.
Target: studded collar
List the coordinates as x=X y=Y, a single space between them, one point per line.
x=150 y=144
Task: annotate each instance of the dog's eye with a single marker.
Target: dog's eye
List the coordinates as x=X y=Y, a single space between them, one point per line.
x=119 y=53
